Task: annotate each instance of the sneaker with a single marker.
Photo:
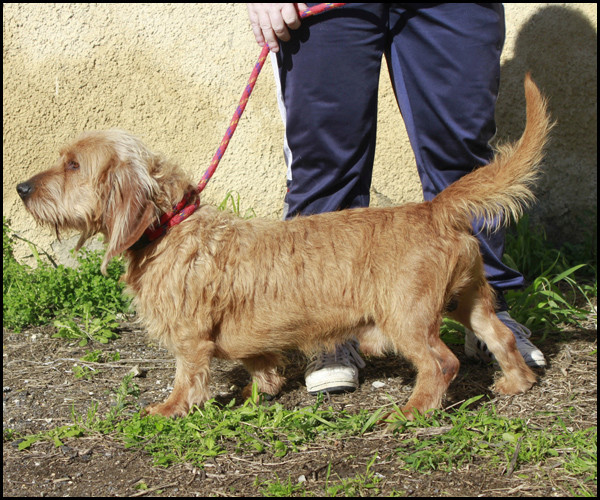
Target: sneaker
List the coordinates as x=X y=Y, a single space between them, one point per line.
x=334 y=372
x=475 y=348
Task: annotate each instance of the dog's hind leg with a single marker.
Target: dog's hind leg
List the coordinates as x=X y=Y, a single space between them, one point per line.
x=419 y=342
x=476 y=311
x=192 y=378
x=264 y=372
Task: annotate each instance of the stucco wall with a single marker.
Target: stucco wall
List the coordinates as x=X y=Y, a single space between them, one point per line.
x=173 y=74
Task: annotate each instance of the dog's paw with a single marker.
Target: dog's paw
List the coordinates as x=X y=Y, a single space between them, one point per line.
x=391 y=418
x=165 y=409
x=504 y=385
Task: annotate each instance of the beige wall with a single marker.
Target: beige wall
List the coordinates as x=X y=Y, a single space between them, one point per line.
x=173 y=74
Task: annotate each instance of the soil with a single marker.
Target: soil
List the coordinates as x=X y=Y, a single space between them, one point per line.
x=39 y=391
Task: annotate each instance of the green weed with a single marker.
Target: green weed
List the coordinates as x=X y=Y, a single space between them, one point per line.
x=544 y=305
x=442 y=440
x=232 y=199
x=251 y=428
x=88 y=328
x=527 y=249
x=55 y=292
x=277 y=488
x=449 y=440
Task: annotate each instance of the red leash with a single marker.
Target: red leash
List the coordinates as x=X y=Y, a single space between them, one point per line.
x=183 y=210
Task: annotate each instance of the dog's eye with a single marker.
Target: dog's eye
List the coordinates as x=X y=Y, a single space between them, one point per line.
x=72 y=165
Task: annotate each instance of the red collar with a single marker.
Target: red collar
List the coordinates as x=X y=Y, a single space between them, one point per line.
x=180 y=212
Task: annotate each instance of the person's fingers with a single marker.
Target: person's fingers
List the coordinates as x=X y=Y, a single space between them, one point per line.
x=255 y=25
x=270 y=22
x=278 y=27
x=266 y=27
x=290 y=16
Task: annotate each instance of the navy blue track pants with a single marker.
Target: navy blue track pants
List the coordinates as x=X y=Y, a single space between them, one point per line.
x=444 y=64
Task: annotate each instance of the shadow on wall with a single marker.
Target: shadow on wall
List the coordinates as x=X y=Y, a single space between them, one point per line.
x=559 y=46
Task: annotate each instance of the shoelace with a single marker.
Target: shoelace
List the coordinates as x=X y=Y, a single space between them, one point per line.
x=345 y=354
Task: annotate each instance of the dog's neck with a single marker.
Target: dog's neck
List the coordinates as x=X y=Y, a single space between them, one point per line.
x=186 y=207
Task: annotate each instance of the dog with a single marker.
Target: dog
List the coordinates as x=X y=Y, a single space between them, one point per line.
x=216 y=285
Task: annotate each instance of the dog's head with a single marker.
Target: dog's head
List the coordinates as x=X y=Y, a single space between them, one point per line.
x=104 y=182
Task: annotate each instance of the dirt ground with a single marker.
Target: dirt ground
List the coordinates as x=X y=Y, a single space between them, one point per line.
x=39 y=390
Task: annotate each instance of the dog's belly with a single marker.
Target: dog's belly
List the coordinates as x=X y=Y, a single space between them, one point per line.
x=305 y=330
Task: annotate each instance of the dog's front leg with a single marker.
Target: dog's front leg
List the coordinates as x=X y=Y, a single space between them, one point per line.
x=192 y=378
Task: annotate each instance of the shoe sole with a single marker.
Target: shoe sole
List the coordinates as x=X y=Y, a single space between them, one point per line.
x=332 y=390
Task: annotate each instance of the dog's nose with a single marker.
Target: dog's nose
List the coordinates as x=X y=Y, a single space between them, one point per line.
x=24 y=189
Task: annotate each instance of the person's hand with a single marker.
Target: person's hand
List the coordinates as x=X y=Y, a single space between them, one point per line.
x=270 y=22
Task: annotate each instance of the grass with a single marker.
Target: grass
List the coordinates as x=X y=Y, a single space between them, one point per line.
x=441 y=441
x=449 y=440
x=51 y=292
x=560 y=281
x=248 y=429
x=367 y=484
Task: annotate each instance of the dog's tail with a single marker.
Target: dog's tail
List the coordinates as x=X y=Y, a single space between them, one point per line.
x=497 y=191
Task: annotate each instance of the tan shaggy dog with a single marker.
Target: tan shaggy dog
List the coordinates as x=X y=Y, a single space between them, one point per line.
x=217 y=285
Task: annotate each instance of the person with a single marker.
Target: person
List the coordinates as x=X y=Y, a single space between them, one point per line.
x=444 y=65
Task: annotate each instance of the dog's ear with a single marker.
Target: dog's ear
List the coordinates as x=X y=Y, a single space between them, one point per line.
x=129 y=208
